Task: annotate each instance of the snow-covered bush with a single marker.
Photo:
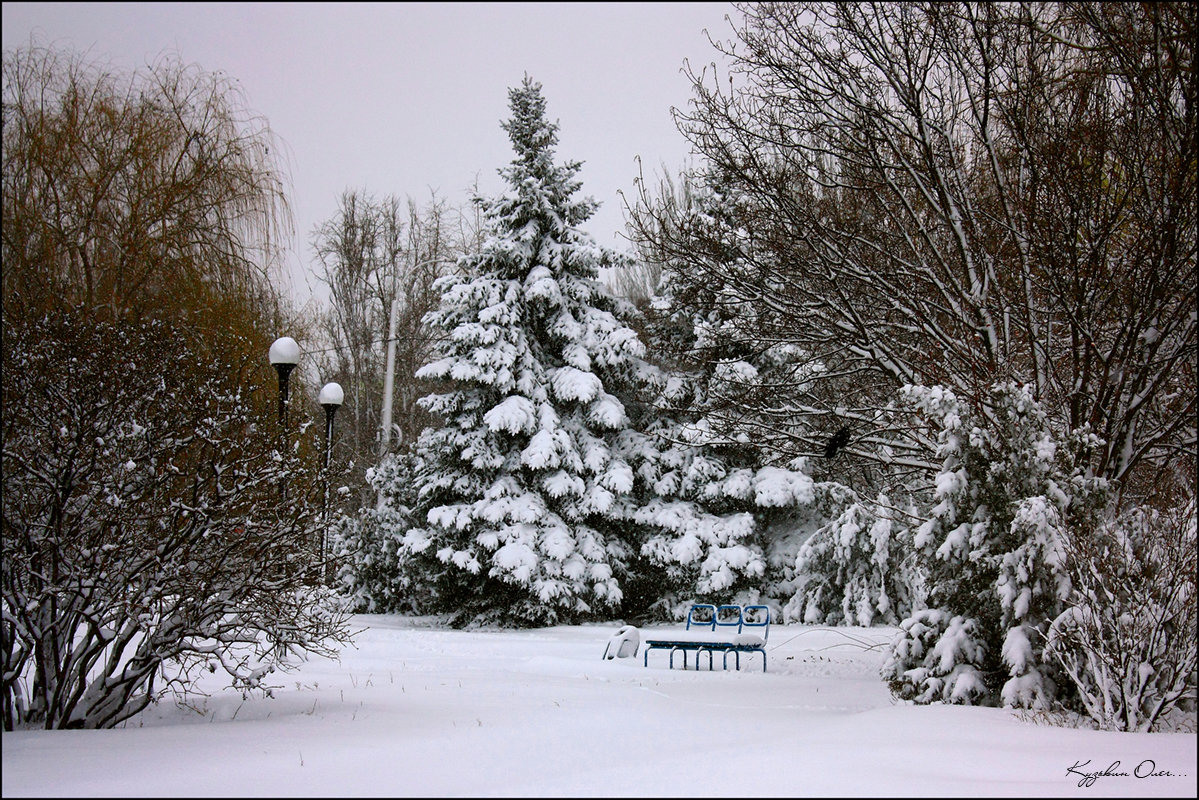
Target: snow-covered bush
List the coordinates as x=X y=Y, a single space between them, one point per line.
x=145 y=532
x=1006 y=498
x=936 y=656
x=858 y=569
x=373 y=572
x=1127 y=638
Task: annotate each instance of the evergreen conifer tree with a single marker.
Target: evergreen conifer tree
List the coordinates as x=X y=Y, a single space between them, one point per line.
x=555 y=490
x=724 y=451
x=528 y=485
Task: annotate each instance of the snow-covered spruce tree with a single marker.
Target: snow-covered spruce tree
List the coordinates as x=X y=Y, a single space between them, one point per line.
x=526 y=490
x=859 y=568
x=744 y=377
x=712 y=516
x=1006 y=497
x=546 y=492
x=722 y=354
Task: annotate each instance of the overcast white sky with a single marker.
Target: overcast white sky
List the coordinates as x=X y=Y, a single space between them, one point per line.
x=403 y=98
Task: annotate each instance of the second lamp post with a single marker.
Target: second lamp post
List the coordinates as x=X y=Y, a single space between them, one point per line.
x=330 y=398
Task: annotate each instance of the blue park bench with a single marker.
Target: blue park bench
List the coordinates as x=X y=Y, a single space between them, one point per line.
x=711 y=629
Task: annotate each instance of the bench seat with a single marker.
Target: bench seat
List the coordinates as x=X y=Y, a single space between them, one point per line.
x=690 y=639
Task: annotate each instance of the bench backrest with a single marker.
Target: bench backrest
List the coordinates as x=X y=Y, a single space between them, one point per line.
x=702 y=615
x=728 y=618
x=756 y=617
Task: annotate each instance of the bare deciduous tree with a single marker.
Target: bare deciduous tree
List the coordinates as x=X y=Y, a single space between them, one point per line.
x=371 y=253
x=953 y=194
x=359 y=251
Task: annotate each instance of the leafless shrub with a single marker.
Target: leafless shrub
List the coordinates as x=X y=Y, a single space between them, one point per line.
x=146 y=533
x=1128 y=639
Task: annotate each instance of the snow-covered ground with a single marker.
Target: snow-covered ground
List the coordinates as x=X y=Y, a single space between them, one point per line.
x=423 y=711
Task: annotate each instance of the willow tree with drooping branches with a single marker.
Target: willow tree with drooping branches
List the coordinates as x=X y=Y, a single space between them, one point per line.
x=137 y=194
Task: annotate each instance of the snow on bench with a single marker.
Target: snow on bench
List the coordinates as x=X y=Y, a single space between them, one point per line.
x=713 y=629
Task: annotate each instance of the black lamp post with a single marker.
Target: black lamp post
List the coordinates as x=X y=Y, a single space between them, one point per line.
x=284 y=355
x=330 y=398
